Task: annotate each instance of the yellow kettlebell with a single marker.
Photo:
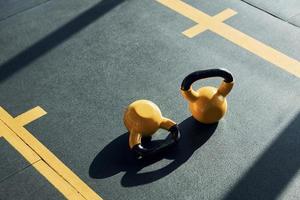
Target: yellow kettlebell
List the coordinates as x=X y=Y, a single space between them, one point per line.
x=208 y=104
x=143 y=118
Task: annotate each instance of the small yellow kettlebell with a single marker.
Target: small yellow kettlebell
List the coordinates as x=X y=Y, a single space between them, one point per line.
x=208 y=104
x=143 y=118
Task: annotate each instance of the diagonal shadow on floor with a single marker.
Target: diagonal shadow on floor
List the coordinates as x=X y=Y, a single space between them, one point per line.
x=272 y=172
x=55 y=38
x=116 y=156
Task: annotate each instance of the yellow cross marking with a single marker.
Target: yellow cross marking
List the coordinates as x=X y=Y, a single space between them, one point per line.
x=216 y=25
x=199 y=28
x=42 y=159
x=18 y=144
x=30 y=116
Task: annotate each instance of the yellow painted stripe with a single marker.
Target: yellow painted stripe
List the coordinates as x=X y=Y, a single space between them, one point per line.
x=193 y=31
x=18 y=144
x=199 y=28
x=188 y=11
x=57 y=181
x=224 y=15
x=30 y=116
x=48 y=157
x=256 y=47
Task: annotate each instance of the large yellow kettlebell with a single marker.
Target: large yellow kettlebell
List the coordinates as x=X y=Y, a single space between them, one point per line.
x=208 y=104
x=143 y=118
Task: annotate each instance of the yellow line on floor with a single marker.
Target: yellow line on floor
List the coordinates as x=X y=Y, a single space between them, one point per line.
x=29 y=116
x=47 y=156
x=199 y=28
x=216 y=25
x=18 y=144
x=57 y=181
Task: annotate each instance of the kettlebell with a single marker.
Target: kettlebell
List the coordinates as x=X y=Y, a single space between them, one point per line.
x=142 y=119
x=208 y=104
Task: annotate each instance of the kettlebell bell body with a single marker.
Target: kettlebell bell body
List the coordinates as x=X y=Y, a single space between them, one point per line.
x=208 y=104
x=143 y=118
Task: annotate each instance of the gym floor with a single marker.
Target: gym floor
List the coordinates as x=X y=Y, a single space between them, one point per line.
x=68 y=69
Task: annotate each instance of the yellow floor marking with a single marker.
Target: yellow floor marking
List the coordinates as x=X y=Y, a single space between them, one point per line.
x=199 y=28
x=193 y=31
x=29 y=116
x=224 y=15
x=18 y=144
x=215 y=25
x=46 y=155
x=59 y=183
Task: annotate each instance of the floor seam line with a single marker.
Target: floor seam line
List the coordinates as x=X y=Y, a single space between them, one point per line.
x=29 y=165
x=41 y=159
x=265 y=11
x=61 y=177
x=24 y=10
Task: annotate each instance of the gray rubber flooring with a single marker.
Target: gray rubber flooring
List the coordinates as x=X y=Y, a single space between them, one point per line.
x=13 y=7
x=85 y=61
x=287 y=10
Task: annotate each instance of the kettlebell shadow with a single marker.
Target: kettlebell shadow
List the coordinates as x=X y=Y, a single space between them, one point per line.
x=116 y=157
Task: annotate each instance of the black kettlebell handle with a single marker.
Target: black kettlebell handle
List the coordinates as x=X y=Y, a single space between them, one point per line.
x=141 y=151
x=201 y=74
